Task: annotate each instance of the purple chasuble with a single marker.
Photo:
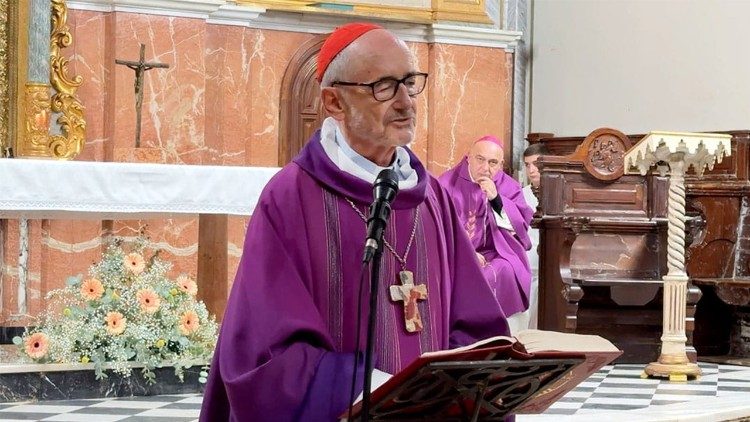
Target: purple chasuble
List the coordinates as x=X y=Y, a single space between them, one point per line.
x=287 y=342
x=507 y=271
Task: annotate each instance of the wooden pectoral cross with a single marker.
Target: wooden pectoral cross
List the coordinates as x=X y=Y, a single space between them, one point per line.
x=409 y=294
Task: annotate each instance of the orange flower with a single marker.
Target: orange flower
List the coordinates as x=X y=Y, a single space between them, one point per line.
x=36 y=345
x=149 y=300
x=134 y=263
x=92 y=289
x=189 y=322
x=115 y=323
x=187 y=285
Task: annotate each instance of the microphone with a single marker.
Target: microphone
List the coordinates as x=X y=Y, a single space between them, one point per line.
x=384 y=190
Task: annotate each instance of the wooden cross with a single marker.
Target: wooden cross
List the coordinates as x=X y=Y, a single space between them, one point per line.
x=140 y=67
x=409 y=294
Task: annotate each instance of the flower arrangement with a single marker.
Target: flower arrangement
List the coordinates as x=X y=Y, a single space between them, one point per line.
x=126 y=311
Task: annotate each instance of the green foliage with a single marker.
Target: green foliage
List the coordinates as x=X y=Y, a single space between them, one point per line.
x=127 y=312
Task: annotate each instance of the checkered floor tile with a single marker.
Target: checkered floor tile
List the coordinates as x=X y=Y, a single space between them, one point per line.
x=621 y=387
x=614 y=388
x=177 y=408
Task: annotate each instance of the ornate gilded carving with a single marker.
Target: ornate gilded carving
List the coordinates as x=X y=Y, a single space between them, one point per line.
x=43 y=101
x=460 y=10
x=409 y=11
x=5 y=82
x=72 y=125
x=37 y=110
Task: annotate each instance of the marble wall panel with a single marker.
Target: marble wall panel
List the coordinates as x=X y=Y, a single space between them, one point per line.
x=92 y=62
x=175 y=239
x=173 y=98
x=80 y=383
x=269 y=53
x=218 y=104
x=470 y=96
x=419 y=146
x=236 y=227
x=12 y=309
x=68 y=248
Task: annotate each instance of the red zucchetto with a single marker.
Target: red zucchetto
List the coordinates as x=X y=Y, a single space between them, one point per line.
x=339 y=40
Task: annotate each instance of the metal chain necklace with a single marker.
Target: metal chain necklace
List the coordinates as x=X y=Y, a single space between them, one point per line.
x=401 y=260
x=406 y=291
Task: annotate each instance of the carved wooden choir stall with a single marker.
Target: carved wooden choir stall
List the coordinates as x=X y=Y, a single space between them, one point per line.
x=719 y=259
x=602 y=250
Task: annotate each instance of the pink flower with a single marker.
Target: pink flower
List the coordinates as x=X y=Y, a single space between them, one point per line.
x=189 y=322
x=36 y=345
x=187 y=285
x=134 y=263
x=115 y=323
x=92 y=289
x=149 y=300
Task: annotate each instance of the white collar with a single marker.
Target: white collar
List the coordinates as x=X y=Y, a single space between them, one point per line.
x=349 y=161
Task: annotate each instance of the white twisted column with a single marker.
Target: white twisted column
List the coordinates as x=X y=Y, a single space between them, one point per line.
x=680 y=150
x=676 y=217
x=673 y=361
x=675 y=282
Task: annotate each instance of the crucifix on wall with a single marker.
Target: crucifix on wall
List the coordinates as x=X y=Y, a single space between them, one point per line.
x=140 y=67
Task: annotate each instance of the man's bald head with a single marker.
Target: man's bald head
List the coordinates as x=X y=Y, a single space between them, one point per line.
x=485 y=158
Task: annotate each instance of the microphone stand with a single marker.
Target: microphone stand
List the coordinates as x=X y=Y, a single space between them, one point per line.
x=384 y=191
x=372 y=318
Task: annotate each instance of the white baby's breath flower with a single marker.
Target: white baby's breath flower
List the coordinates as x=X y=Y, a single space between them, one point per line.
x=110 y=316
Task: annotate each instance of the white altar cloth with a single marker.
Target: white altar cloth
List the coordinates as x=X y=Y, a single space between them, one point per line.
x=47 y=189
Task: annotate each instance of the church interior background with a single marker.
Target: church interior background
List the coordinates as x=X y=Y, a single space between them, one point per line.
x=239 y=91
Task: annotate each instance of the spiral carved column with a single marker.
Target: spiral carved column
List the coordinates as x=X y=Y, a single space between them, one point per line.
x=676 y=217
x=673 y=361
x=680 y=150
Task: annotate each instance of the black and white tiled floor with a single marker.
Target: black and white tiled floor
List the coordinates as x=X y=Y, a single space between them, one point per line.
x=176 y=408
x=616 y=391
x=622 y=388
x=619 y=392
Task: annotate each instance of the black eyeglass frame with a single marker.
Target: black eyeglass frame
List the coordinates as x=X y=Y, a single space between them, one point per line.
x=398 y=82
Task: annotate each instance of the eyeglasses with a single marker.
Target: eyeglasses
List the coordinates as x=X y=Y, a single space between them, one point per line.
x=386 y=88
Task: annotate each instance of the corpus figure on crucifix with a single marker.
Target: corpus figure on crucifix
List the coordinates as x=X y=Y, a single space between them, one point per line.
x=287 y=346
x=140 y=67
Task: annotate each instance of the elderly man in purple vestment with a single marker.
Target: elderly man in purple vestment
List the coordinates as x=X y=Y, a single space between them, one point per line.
x=496 y=217
x=287 y=347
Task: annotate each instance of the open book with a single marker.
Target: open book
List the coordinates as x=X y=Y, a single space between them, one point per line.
x=491 y=378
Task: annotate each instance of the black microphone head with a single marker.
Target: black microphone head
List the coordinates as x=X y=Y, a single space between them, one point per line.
x=386 y=185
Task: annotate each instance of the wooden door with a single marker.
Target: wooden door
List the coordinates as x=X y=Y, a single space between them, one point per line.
x=300 y=111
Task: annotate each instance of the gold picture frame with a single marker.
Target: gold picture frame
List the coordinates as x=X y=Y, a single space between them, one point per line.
x=472 y=11
x=8 y=88
x=29 y=107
